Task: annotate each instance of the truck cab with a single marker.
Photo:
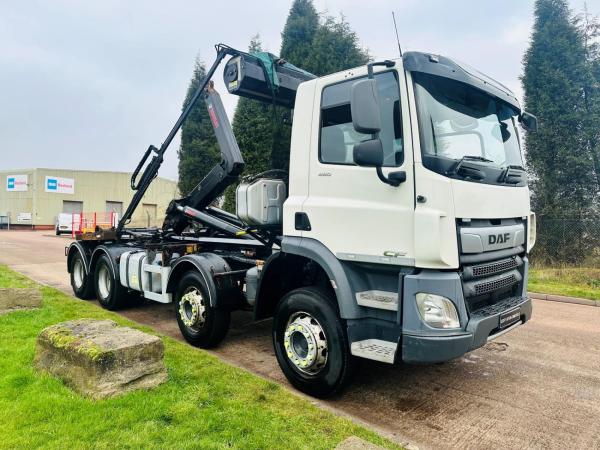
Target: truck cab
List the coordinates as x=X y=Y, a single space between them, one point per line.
x=436 y=265
x=400 y=234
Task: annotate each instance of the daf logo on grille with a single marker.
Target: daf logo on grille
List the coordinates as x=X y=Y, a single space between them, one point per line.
x=498 y=238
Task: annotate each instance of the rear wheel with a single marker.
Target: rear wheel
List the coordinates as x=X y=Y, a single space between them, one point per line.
x=80 y=281
x=200 y=324
x=311 y=344
x=109 y=291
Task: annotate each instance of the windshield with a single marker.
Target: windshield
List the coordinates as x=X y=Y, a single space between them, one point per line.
x=459 y=122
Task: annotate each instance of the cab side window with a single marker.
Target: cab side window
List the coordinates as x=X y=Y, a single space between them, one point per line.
x=338 y=136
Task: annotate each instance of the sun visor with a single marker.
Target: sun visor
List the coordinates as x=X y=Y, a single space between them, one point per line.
x=455 y=70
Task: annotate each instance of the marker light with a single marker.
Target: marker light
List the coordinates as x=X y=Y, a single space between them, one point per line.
x=532 y=231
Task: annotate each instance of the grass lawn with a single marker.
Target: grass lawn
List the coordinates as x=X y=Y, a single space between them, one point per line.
x=205 y=403
x=572 y=282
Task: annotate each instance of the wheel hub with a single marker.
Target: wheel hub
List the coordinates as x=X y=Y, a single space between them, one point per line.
x=104 y=282
x=78 y=273
x=192 y=309
x=305 y=343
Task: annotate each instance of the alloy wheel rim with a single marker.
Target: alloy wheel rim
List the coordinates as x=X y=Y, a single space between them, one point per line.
x=78 y=275
x=104 y=282
x=192 y=309
x=305 y=343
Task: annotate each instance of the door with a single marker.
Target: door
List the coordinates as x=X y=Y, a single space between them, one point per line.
x=70 y=218
x=114 y=207
x=351 y=211
x=72 y=207
x=114 y=211
x=149 y=214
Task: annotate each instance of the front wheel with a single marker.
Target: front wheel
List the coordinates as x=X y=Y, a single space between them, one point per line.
x=200 y=324
x=311 y=344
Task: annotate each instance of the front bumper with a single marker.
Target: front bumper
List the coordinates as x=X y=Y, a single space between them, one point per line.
x=483 y=325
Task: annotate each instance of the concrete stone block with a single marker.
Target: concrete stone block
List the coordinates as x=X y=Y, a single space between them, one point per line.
x=12 y=299
x=98 y=358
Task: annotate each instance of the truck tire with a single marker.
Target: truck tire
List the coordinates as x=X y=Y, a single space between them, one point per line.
x=200 y=324
x=80 y=281
x=109 y=292
x=310 y=342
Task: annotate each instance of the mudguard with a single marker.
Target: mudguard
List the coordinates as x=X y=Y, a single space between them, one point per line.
x=347 y=279
x=113 y=252
x=222 y=288
x=77 y=247
x=315 y=250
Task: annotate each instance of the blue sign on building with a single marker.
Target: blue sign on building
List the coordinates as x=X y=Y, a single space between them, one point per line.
x=52 y=184
x=11 y=183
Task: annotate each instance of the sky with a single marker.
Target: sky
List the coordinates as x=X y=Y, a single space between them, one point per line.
x=90 y=84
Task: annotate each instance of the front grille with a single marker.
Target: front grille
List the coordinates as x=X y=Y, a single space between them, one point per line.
x=495 y=267
x=491 y=268
x=499 y=307
x=500 y=283
x=491 y=276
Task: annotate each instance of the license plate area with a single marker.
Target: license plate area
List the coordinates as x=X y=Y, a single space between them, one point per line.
x=508 y=318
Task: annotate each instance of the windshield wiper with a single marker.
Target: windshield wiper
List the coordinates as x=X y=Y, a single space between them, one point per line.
x=521 y=168
x=506 y=175
x=456 y=168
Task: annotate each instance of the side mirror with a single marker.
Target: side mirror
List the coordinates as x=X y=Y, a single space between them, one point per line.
x=364 y=106
x=529 y=121
x=368 y=153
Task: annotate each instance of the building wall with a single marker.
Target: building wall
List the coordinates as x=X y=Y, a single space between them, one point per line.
x=16 y=202
x=91 y=188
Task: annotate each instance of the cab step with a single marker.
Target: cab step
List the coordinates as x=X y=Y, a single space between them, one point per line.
x=378 y=299
x=375 y=349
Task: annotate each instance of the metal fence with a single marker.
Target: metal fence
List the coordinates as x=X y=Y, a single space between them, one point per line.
x=567 y=242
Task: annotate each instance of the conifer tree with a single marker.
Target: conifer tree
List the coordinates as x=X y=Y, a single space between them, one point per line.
x=296 y=47
x=299 y=32
x=335 y=47
x=263 y=131
x=554 y=80
x=589 y=27
x=198 y=152
x=253 y=129
x=321 y=48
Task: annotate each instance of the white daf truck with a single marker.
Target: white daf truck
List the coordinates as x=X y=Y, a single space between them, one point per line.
x=400 y=234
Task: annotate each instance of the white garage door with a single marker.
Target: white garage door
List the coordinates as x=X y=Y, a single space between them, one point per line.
x=115 y=207
x=72 y=207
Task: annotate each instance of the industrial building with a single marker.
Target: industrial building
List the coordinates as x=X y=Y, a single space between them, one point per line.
x=32 y=198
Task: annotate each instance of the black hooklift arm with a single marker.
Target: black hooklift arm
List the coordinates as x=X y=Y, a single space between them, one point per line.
x=224 y=173
x=151 y=171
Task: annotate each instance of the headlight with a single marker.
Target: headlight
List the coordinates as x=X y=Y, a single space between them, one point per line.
x=437 y=311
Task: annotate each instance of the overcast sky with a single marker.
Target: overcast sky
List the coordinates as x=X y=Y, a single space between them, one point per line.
x=90 y=84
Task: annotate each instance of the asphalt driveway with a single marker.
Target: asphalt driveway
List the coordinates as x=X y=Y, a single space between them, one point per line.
x=537 y=387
